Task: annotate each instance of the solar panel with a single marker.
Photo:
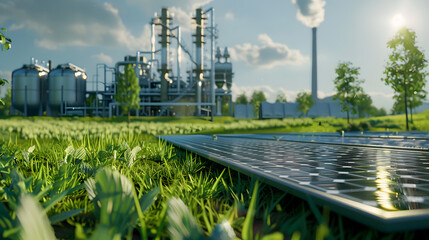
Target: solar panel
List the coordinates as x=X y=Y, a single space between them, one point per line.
x=374 y=140
x=384 y=187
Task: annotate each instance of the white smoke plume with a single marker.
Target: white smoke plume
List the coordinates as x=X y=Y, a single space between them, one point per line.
x=310 y=12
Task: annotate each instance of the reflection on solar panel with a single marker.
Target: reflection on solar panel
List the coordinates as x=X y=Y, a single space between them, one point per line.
x=386 y=188
x=395 y=141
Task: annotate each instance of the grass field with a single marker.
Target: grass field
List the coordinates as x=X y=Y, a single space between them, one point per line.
x=79 y=178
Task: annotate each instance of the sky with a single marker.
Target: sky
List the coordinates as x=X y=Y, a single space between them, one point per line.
x=269 y=41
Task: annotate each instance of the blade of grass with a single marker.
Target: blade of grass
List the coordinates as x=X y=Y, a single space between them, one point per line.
x=247 y=231
x=143 y=229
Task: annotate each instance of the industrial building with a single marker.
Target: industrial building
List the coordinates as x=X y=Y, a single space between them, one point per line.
x=39 y=89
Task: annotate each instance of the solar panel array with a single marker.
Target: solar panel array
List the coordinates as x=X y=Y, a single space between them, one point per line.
x=393 y=141
x=386 y=187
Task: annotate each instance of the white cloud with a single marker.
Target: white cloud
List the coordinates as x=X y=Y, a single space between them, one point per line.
x=381 y=94
x=310 y=12
x=103 y=58
x=183 y=10
x=15 y=27
x=150 y=6
x=72 y=23
x=267 y=55
x=229 y=16
x=183 y=19
x=59 y=24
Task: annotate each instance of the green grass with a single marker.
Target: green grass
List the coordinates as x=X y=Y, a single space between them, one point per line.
x=154 y=190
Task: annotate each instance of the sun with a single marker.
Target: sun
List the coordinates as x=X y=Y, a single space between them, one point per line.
x=398 y=21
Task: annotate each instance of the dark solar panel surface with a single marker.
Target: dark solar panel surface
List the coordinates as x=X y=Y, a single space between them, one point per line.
x=386 y=186
x=394 y=141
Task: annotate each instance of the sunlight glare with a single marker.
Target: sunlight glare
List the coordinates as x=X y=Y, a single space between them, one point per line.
x=398 y=21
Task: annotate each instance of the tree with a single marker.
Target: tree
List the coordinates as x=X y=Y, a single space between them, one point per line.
x=399 y=104
x=241 y=99
x=5 y=108
x=348 y=87
x=365 y=107
x=128 y=91
x=413 y=101
x=405 y=70
x=305 y=101
x=281 y=97
x=5 y=43
x=380 y=112
x=257 y=98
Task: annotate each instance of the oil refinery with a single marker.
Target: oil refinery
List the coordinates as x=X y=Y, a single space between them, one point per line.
x=38 y=89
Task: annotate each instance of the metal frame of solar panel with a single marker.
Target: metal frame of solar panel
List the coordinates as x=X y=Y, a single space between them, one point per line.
x=385 y=187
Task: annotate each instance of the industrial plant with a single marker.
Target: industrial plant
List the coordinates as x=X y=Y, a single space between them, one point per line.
x=38 y=89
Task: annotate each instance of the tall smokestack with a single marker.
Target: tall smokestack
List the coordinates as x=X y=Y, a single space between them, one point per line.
x=314 y=67
x=311 y=13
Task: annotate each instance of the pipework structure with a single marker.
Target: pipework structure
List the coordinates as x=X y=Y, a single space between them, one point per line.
x=163 y=89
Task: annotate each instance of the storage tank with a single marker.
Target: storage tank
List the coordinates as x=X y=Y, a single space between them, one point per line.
x=223 y=71
x=29 y=85
x=220 y=75
x=228 y=68
x=223 y=74
x=67 y=86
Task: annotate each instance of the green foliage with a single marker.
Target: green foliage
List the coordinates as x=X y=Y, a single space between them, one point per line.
x=7 y=101
x=399 y=104
x=281 y=97
x=78 y=172
x=305 y=102
x=28 y=128
x=5 y=43
x=225 y=105
x=257 y=98
x=113 y=197
x=247 y=232
x=355 y=127
x=34 y=222
x=348 y=87
x=128 y=90
x=16 y=188
x=241 y=99
x=182 y=225
x=365 y=107
x=405 y=70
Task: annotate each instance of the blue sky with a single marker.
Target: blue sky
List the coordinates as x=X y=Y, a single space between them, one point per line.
x=270 y=47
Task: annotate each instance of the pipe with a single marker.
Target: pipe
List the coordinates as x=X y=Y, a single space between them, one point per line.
x=178 y=58
x=137 y=69
x=152 y=46
x=212 y=70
